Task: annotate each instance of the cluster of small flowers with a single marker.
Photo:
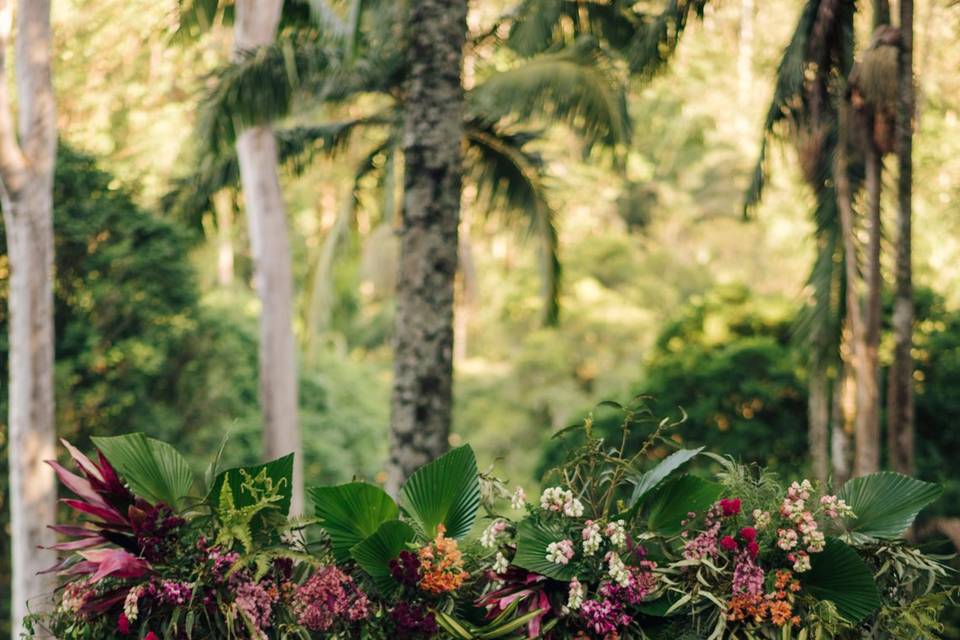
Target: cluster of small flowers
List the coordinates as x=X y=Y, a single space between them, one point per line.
x=175 y=592
x=747 y=575
x=327 y=597
x=617 y=533
x=256 y=600
x=591 y=538
x=519 y=498
x=413 y=621
x=835 y=508
x=441 y=564
x=804 y=529
x=500 y=564
x=776 y=607
x=156 y=528
x=603 y=617
x=561 y=500
x=705 y=544
x=560 y=552
x=405 y=568
x=131 y=604
x=640 y=582
x=748 y=536
x=617 y=569
x=488 y=539
x=575 y=595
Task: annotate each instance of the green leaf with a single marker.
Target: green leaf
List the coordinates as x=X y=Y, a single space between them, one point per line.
x=445 y=491
x=532 y=542
x=154 y=470
x=280 y=472
x=351 y=512
x=672 y=501
x=838 y=574
x=652 y=479
x=375 y=552
x=885 y=504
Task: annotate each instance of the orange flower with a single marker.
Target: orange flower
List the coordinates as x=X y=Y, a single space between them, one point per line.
x=441 y=564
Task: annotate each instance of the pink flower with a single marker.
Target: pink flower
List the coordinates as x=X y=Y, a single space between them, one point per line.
x=748 y=533
x=328 y=597
x=728 y=543
x=123 y=624
x=730 y=507
x=151 y=636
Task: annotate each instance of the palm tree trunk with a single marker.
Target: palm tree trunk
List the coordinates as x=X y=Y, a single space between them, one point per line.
x=900 y=393
x=27 y=161
x=867 y=455
x=256 y=25
x=423 y=328
x=842 y=414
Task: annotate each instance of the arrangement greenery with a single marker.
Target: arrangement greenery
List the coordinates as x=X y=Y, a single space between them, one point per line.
x=621 y=545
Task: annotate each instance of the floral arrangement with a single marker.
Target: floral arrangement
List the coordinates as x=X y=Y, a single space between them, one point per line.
x=616 y=546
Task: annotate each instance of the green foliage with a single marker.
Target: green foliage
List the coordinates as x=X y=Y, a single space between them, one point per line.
x=252 y=501
x=885 y=504
x=377 y=550
x=153 y=469
x=350 y=513
x=533 y=538
x=840 y=576
x=650 y=480
x=445 y=491
x=670 y=504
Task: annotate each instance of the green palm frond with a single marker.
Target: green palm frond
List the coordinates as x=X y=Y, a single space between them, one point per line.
x=576 y=86
x=191 y=196
x=510 y=178
x=261 y=87
x=658 y=36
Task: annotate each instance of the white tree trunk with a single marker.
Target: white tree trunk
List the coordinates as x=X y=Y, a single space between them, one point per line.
x=256 y=25
x=26 y=195
x=223 y=208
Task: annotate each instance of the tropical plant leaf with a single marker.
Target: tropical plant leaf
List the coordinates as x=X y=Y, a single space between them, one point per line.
x=532 y=542
x=375 y=552
x=885 y=504
x=445 y=491
x=280 y=472
x=839 y=575
x=671 y=503
x=350 y=513
x=154 y=470
x=650 y=480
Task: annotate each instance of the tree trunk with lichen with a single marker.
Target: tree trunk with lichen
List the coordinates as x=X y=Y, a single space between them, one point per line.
x=27 y=160
x=423 y=326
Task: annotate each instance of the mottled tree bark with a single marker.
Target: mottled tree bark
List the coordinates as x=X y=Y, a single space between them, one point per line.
x=27 y=160
x=423 y=328
x=868 y=380
x=256 y=25
x=900 y=415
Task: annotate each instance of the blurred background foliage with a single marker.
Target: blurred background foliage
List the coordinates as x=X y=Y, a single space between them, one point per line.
x=667 y=291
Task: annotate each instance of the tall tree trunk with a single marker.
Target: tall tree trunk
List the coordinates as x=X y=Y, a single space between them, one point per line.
x=423 y=329
x=900 y=393
x=868 y=409
x=27 y=161
x=867 y=455
x=256 y=25
x=223 y=206
x=841 y=416
x=818 y=418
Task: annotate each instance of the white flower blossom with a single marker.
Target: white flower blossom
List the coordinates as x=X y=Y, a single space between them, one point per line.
x=488 y=539
x=573 y=508
x=576 y=595
x=617 y=570
x=500 y=563
x=617 y=533
x=560 y=552
x=801 y=562
x=518 y=499
x=591 y=538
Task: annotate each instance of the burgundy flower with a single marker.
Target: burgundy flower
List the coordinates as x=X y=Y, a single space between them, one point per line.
x=123 y=624
x=753 y=548
x=731 y=507
x=728 y=543
x=748 y=533
x=412 y=620
x=405 y=569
